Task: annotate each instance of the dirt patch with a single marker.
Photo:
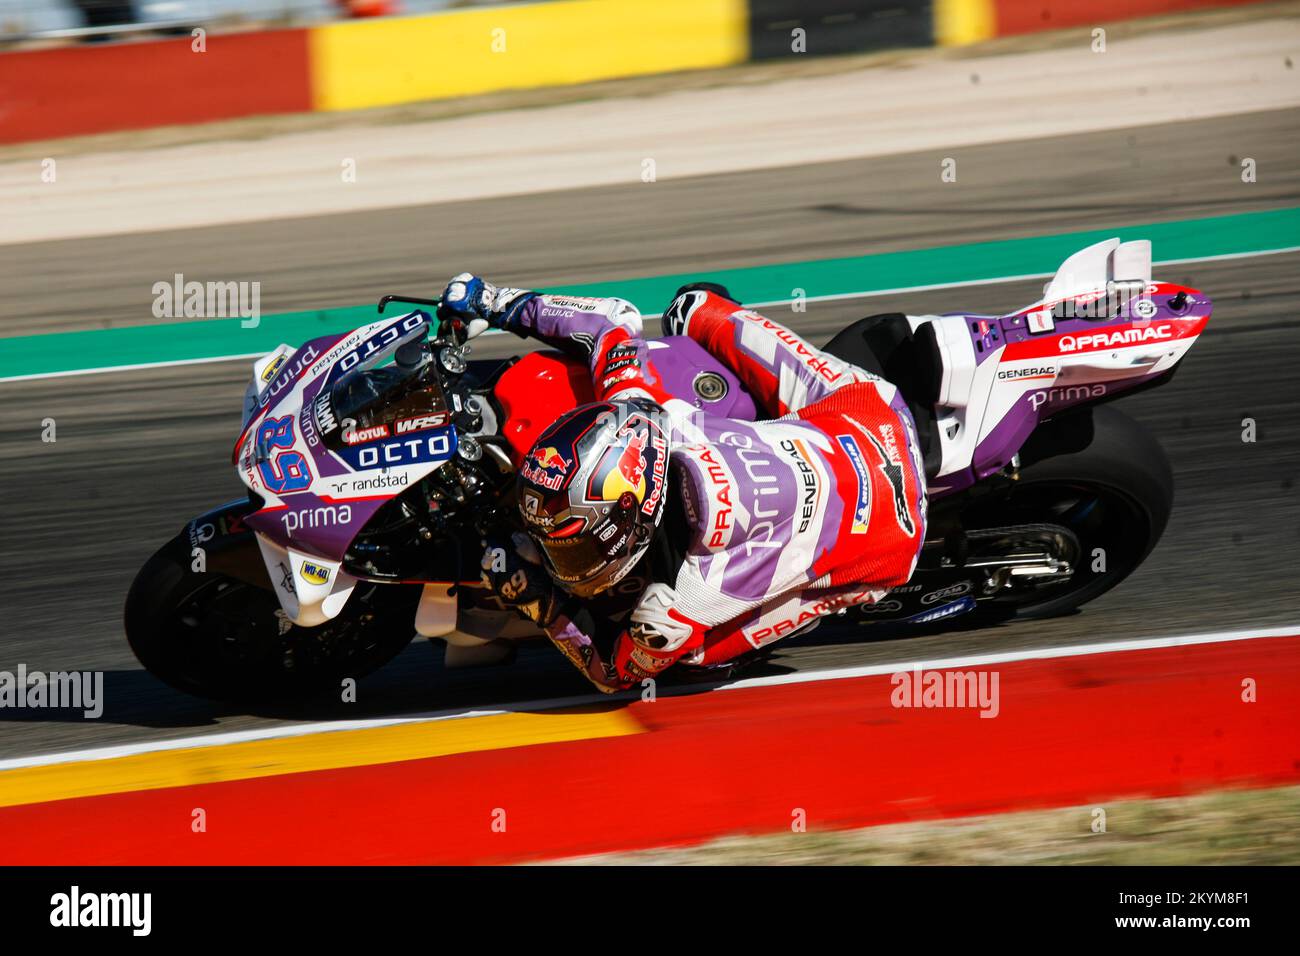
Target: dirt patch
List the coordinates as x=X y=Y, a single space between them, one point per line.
x=1260 y=827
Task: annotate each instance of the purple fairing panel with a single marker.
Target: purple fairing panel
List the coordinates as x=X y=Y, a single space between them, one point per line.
x=986 y=333
x=323 y=516
x=990 y=332
x=679 y=361
x=316 y=525
x=293 y=369
x=997 y=448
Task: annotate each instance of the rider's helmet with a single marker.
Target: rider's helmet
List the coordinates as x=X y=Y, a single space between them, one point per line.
x=592 y=491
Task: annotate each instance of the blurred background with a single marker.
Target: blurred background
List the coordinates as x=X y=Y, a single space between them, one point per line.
x=91 y=20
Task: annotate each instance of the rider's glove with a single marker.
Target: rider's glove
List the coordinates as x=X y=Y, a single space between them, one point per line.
x=479 y=304
x=512 y=570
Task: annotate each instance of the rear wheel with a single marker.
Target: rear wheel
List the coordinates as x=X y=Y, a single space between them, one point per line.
x=213 y=636
x=1103 y=483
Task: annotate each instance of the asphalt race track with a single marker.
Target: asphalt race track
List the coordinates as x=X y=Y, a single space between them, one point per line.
x=138 y=453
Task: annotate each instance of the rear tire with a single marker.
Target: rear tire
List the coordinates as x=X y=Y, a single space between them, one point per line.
x=1103 y=476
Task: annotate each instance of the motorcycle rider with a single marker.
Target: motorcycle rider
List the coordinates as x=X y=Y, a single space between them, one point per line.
x=750 y=531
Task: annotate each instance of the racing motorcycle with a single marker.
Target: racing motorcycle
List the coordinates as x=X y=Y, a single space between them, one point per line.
x=376 y=459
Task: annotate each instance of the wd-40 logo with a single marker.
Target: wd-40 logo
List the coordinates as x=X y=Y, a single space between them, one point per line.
x=314 y=573
x=273 y=367
x=287 y=375
x=1133 y=335
x=862 y=510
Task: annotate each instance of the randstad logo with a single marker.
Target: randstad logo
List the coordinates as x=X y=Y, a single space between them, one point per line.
x=1101 y=340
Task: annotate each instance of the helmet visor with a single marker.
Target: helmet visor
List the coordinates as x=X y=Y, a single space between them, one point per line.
x=585 y=562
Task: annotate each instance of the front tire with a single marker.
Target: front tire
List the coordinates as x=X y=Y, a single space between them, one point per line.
x=213 y=636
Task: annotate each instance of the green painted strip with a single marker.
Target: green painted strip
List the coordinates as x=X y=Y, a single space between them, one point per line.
x=1240 y=234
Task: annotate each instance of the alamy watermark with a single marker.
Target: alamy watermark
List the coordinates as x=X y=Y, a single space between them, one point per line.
x=179 y=299
x=75 y=908
x=53 y=690
x=949 y=688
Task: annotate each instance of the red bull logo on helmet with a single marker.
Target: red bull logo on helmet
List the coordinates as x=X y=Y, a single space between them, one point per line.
x=628 y=473
x=545 y=467
x=627 y=469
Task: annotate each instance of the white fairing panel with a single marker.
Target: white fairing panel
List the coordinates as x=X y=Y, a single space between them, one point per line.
x=1090 y=269
x=1132 y=262
x=960 y=415
x=436 y=615
x=976 y=396
x=264 y=371
x=311 y=590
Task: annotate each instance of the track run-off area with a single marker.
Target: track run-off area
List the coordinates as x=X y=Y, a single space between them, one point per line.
x=861 y=746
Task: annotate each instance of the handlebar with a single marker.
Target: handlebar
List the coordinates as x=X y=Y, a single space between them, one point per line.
x=454 y=326
x=408 y=299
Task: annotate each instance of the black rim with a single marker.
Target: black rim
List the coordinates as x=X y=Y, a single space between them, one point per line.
x=230 y=633
x=1099 y=516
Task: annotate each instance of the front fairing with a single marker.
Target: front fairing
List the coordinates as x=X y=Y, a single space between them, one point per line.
x=314 y=499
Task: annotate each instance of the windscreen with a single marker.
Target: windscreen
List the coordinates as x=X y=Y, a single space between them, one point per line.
x=388 y=402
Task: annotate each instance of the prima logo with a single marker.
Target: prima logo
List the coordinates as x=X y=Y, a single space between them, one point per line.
x=1065 y=395
x=326 y=516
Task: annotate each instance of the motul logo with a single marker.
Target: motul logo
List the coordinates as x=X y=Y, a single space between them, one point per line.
x=1101 y=340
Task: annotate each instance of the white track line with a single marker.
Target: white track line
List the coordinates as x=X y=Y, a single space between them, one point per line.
x=841 y=673
x=836 y=297
x=1005 y=657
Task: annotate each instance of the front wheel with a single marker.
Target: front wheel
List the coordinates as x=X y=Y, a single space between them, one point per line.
x=214 y=636
x=1103 y=482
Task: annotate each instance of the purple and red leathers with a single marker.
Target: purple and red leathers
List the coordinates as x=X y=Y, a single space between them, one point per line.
x=792 y=518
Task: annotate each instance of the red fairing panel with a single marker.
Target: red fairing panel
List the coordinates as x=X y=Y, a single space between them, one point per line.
x=537 y=390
